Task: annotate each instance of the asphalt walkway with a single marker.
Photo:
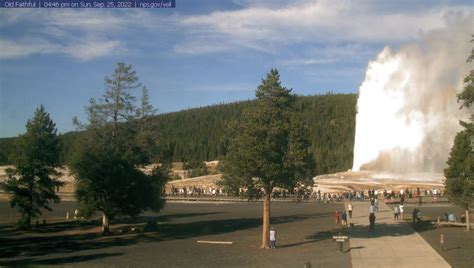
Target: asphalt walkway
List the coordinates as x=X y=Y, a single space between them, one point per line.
x=391 y=244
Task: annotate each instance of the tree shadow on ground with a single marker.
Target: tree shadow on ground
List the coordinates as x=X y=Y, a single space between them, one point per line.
x=315 y=237
x=72 y=237
x=170 y=231
x=58 y=261
x=169 y=217
x=63 y=244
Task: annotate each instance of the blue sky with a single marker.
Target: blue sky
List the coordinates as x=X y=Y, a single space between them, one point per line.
x=200 y=53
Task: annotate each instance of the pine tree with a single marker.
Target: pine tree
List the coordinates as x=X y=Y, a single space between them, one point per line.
x=105 y=162
x=267 y=148
x=460 y=171
x=146 y=109
x=30 y=184
x=146 y=138
x=119 y=100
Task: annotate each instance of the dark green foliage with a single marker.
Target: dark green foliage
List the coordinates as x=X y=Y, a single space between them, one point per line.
x=268 y=145
x=7 y=148
x=330 y=120
x=146 y=138
x=111 y=184
x=67 y=142
x=105 y=158
x=299 y=160
x=197 y=135
x=466 y=97
x=460 y=172
x=37 y=154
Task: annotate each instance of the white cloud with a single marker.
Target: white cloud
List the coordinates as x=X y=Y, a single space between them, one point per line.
x=328 y=54
x=93 y=48
x=83 y=51
x=81 y=34
x=306 y=61
x=11 y=49
x=90 y=20
x=259 y=25
x=270 y=25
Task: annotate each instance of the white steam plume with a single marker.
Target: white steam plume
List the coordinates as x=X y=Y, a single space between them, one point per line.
x=408 y=113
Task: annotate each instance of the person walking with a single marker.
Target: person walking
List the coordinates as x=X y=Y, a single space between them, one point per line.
x=349 y=209
x=272 y=238
x=372 y=221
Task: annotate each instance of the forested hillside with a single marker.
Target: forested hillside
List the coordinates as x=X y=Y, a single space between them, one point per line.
x=198 y=134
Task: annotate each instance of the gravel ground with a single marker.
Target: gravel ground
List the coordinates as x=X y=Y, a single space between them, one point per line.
x=304 y=233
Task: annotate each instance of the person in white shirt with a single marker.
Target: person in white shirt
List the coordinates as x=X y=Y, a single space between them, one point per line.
x=349 y=209
x=396 y=212
x=451 y=217
x=272 y=238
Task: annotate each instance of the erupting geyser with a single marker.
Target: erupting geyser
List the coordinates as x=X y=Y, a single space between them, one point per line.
x=408 y=113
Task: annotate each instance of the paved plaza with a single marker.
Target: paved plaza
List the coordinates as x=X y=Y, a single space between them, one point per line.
x=391 y=244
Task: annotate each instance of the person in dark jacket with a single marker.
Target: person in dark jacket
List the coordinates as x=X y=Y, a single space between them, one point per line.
x=372 y=221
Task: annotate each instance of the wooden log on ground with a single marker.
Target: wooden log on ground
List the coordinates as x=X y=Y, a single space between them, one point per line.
x=215 y=242
x=455 y=224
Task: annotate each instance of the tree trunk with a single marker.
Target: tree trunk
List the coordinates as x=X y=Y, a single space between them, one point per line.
x=266 y=218
x=105 y=223
x=468 y=224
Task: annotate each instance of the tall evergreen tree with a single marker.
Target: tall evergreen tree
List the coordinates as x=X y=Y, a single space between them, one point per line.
x=119 y=99
x=267 y=150
x=460 y=171
x=145 y=110
x=146 y=138
x=30 y=184
x=105 y=164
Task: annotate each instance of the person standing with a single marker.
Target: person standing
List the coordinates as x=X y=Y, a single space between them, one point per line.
x=337 y=217
x=272 y=238
x=451 y=217
x=349 y=209
x=376 y=204
x=372 y=209
x=396 y=212
x=372 y=221
x=344 y=218
x=401 y=211
x=416 y=215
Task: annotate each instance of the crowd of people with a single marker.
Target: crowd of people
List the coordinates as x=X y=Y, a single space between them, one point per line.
x=307 y=193
x=375 y=194
x=196 y=191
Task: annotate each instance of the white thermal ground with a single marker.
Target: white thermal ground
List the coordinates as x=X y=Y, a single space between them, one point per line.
x=408 y=113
